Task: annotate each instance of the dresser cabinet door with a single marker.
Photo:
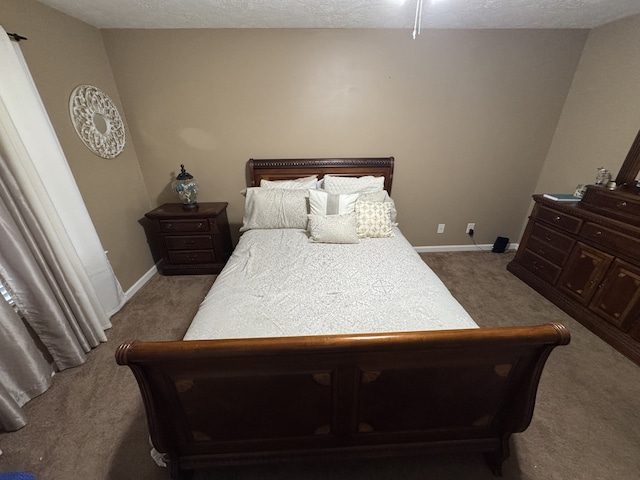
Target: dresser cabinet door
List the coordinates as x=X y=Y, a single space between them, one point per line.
x=617 y=299
x=583 y=272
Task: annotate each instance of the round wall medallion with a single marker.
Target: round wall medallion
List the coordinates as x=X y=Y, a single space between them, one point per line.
x=97 y=121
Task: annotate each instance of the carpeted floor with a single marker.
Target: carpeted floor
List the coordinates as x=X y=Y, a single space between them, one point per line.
x=91 y=424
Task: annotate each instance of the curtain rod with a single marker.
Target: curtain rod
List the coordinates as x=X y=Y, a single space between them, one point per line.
x=15 y=37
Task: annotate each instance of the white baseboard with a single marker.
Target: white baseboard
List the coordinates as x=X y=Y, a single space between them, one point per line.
x=462 y=248
x=140 y=283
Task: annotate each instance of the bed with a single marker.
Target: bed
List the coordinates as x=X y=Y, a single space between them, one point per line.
x=322 y=350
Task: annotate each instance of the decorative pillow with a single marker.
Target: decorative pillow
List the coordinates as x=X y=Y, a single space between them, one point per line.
x=274 y=208
x=373 y=219
x=333 y=229
x=381 y=196
x=338 y=185
x=323 y=203
x=294 y=184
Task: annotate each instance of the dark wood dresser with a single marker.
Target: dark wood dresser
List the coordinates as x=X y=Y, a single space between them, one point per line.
x=585 y=258
x=189 y=242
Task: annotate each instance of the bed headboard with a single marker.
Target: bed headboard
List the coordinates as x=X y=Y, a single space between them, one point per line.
x=288 y=168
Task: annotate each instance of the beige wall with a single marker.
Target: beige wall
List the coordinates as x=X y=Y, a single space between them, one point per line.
x=601 y=116
x=468 y=114
x=62 y=53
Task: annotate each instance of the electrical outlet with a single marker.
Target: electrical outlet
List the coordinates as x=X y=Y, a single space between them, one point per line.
x=441 y=228
x=470 y=226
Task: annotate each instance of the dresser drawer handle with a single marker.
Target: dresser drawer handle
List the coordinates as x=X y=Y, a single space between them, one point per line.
x=557 y=219
x=548 y=238
x=200 y=225
x=189 y=243
x=542 y=250
x=598 y=233
x=169 y=226
x=622 y=204
x=538 y=266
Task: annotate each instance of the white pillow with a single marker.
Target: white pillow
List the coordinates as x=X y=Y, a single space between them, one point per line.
x=295 y=183
x=382 y=196
x=323 y=203
x=274 y=208
x=338 y=185
x=373 y=219
x=333 y=229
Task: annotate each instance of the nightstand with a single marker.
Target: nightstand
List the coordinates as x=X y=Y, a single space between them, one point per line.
x=189 y=242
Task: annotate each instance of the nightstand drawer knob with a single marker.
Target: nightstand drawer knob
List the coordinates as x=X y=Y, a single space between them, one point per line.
x=200 y=225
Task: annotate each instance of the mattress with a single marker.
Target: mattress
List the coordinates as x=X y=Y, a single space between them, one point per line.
x=278 y=284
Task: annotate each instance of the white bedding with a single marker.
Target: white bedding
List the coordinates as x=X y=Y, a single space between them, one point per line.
x=279 y=284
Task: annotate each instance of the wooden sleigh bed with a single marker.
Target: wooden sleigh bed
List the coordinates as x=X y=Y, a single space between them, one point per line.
x=236 y=401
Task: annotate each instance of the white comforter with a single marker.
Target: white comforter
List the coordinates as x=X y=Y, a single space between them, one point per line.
x=278 y=284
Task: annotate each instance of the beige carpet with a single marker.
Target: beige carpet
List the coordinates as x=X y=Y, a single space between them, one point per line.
x=90 y=424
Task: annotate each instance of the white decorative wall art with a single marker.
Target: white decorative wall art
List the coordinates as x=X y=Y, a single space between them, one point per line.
x=97 y=121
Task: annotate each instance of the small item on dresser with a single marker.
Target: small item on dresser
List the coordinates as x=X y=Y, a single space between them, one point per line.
x=186 y=188
x=580 y=189
x=562 y=197
x=611 y=185
x=603 y=176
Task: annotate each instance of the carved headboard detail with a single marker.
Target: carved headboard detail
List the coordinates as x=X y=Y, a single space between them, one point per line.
x=288 y=168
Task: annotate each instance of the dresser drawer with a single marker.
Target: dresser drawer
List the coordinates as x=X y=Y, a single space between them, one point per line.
x=188 y=242
x=547 y=252
x=540 y=266
x=561 y=220
x=553 y=238
x=619 y=242
x=191 y=225
x=627 y=205
x=192 y=256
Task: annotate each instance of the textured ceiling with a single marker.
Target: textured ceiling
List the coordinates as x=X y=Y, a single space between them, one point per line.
x=345 y=13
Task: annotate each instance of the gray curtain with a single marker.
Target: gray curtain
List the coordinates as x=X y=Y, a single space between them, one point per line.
x=26 y=372
x=43 y=284
x=51 y=259
x=43 y=274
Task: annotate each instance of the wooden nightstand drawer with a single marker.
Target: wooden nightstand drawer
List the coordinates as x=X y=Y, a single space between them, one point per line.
x=551 y=237
x=192 y=257
x=199 y=225
x=189 y=242
x=559 y=219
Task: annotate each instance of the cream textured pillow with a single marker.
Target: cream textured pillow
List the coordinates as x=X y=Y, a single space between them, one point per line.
x=382 y=196
x=295 y=183
x=373 y=219
x=323 y=203
x=332 y=229
x=274 y=208
x=339 y=185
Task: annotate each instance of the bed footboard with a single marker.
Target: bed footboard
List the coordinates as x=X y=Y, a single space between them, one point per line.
x=222 y=402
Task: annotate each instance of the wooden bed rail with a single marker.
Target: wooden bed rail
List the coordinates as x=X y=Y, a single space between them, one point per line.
x=222 y=402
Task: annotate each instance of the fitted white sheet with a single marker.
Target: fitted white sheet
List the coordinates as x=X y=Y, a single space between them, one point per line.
x=278 y=284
